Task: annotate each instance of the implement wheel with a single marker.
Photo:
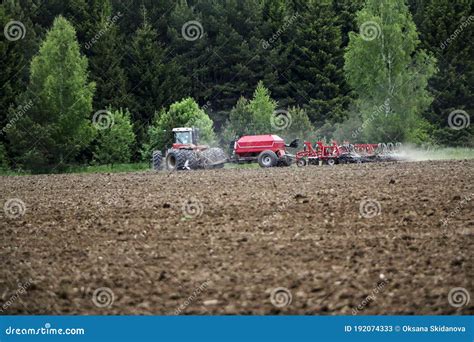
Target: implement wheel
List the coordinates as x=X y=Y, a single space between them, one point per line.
x=301 y=162
x=267 y=159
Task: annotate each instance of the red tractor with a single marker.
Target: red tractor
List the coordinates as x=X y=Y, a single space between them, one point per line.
x=268 y=149
x=187 y=154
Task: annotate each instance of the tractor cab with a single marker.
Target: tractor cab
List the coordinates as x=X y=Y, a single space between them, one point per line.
x=185 y=137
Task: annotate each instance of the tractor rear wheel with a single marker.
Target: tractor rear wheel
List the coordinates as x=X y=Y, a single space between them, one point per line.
x=156 y=160
x=179 y=160
x=191 y=160
x=212 y=158
x=267 y=159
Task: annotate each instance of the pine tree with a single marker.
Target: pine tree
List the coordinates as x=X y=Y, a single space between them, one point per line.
x=298 y=126
x=251 y=117
x=240 y=122
x=17 y=46
x=190 y=53
x=262 y=107
x=221 y=62
x=346 y=17
x=153 y=82
x=3 y=158
x=105 y=56
x=445 y=31
x=58 y=125
x=114 y=144
x=315 y=75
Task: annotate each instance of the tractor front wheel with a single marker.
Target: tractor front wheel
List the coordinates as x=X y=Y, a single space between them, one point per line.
x=156 y=160
x=267 y=159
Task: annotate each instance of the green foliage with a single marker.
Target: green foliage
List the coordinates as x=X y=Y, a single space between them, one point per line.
x=58 y=125
x=141 y=61
x=313 y=71
x=15 y=55
x=114 y=143
x=350 y=130
x=102 y=47
x=300 y=126
x=241 y=120
x=184 y=113
x=3 y=158
x=222 y=64
x=252 y=117
x=446 y=29
x=154 y=84
x=384 y=66
x=262 y=107
x=109 y=168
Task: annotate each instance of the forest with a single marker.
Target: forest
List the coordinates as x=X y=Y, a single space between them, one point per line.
x=104 y=81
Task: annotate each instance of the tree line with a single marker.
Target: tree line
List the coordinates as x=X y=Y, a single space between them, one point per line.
x=105 y=80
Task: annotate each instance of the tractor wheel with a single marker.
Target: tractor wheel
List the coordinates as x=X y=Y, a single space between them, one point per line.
x=284 y=161
x=179 y=160
x=156 y=160
x=302 y=162
x=191 y=160
x=267 y=159
x=213 y=158
x=330 y=162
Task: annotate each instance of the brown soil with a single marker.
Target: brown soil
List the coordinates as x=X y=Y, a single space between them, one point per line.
x=259 y=229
